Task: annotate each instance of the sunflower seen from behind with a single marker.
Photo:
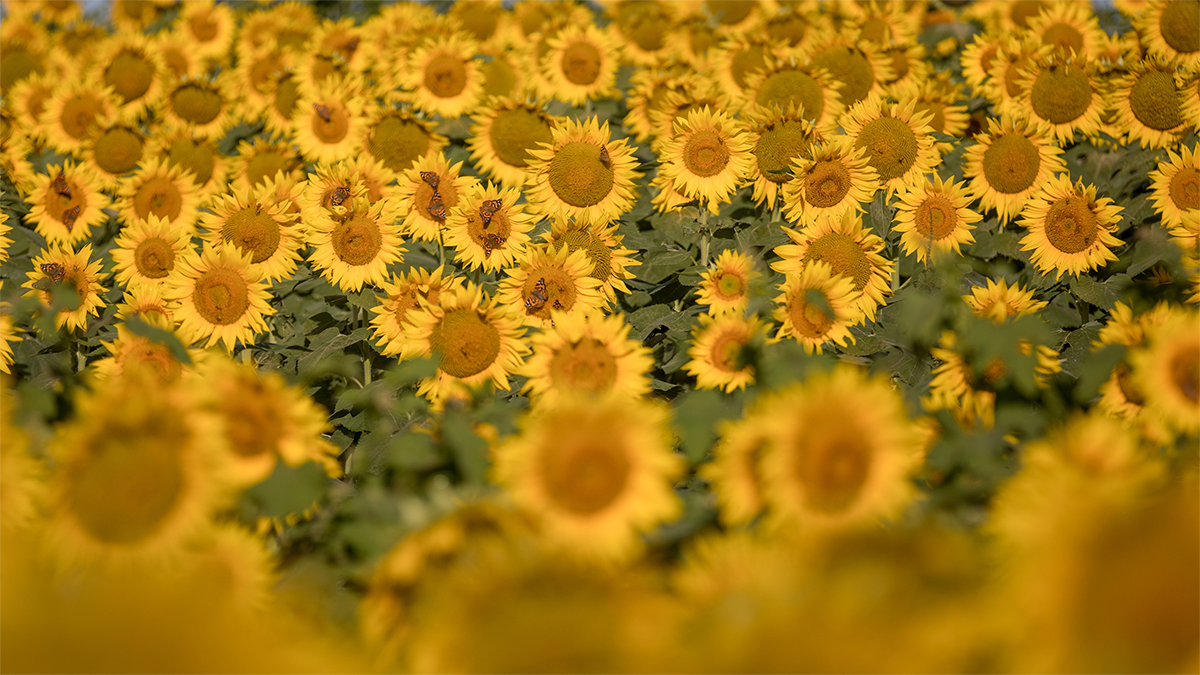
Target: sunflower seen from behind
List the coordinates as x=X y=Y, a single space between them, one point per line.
x=68 y=282
x=583 y=174
x=475 y=339
x=816 y=306
x=595 y=473
x=355 y=246
x=1070 y=230
x=586 y=356
x=220 y=297
x=933 y=215
x=839 y=452
x=708 y=158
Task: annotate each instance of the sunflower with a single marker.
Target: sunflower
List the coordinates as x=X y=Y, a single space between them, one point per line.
x=1010 y=63
x=829 y=181
x=969 y=395
x=816 y=306
x=1064 y=95
x=580 y=64
x=979 y=58
x=735 y=472
x=1169 y=30
x=677 y=105
x=783 y=84
x=720 y=346
x=427 y=193
x=1176 y=189
x=72 y=112
x=897 y=140
x=114 y=149
x=938 y=97
x=1168 y=370
x=1150 y=103
x=1070 y=28
x=201 y=104
x=476 y=340
x=504 y=135
x=594 y=472
x=207 y=28
x=396 y=137
x=1009 y=162
x=779 y=138
x=162 y=190
x=139 y=357
x=610 y=260
x=66 y=202
x=256 y=225
x=726 y=287
x=259 y=160
x=933 y=215
x=693 y=39
x=884 y=23
x=146 y=250
x=265 y=420
x=7 y=335
x=667 y=198
x=282 y=94
x=641 y=31
x=708 y=158
x=403 y=298
x=330 y=189
x=444 y=76
x=1069 y=229
x=1120 y=395
x=220 y=295
x=317 y=68
x=60 y=267
x=839 y=451
x=5 y=242
x=129 y=64
x=591 y=355
x=858 y=68
x=194 y=154
x=488 y=228
x=649 y=87
x=29 y=98
x=504 y=74
x=583 y=174
x=256 y=75
x=14 y=162
x=736 y=59
x=326 y=125
x=551 y=280
x=146 y=302
x=846 y=247
x=357 y=246
x=342 y=38
x=997 y=301
x=135 y=473
x=909 y=65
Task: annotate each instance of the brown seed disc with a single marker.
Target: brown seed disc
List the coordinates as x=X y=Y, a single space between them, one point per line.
x=287 y=96
x=560 y=287
x=130 y=75
x=515 y=132
x=154 y=257
x=1185 y=188
x=597 y=251
x=578 y=176
x=160 y=196
x=194 y=156
x=118 y=150
x=584 y=477
x=581 y=63
x=705 y=153
x=253 y=232
x=253 y=421
x=1156 y=102
x=792 y=86
x=445 y=76
x=1011 y=163
x=841 y=253
x=808 y=320
x=1061 y=94
x=778 y=147
x=728 y=352
x=936 y=218
x=79 y=114
x=1180 y=26
x=155 y=360
x=891 y=146
x=358 y=240
x=1071 y=226
x=398 y=142
x=1063 y=36
x=466 y=342
x=827 y=183
x=832 y=470
x=196 y=104
x=586 y=365
x=333 y=131
x=221 y=296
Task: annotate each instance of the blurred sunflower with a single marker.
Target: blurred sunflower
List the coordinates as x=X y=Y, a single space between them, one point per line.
x=401 y=297
x=858 y=68
x=551 y=280
x=779 y=139
x=909 y=65
x=258 y=226
x=488 y=229
x=265 y=421
x=343 y=38
x=580 y=65
x=7 y=335
x=783 y=83
x=884 y=23
x=504 y=134
x=229 y=566
x=66 y=202
x=693 y=39
x=259 y=160
x=934 y=215
x=60 y=267
x=129 y=63
x=28 y=99
x=849 y=249
x=938 y=97
x=146 y=250
x=721 y=346
x=255 y=77
x=207 y=28
x=1120 y=395
x=726 y=286
x=5 y=242
x=1009 y=162
x=583 y=174
x=178 y=61
x=736 y=58
x=1175 y=186
x=147 y=302
x=1009 y=65
x=476 y=340
x=1069 y=229
x=735 y=471
x=829 y=181
x=504 y=74
x=396 y=137
x=326 y=124
x=356 y=247
x=997 y=301
x=134 y=356
x=135 y=474
x=816 y=306
x=1167 y=369
x=373 y=174
x=594 y=472
x=204 y=105
x=444 y=76
x=897 y=140
x=641 y=31
x=427 y=193
x=708 y=158
x=282 y=94
x=317 y=68
x=1070 y=28
x=841 y=455
x=979 y=59
x=221 y=297
x=649 y=87
x=194 y=154
x=113 y=150
x=1169 y=30
x=590 y=355
x=1150 y=103
x=677 y=105
x=610 y=260
x=73 y=110
x=1065 y=95
x=161 y=190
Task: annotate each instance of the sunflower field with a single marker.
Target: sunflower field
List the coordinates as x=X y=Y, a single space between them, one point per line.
x=619 y=336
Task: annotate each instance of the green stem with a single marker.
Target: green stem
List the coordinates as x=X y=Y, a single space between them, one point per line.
x=776 y=213
x=703 y=236
x=477 y=276
x=80 y=359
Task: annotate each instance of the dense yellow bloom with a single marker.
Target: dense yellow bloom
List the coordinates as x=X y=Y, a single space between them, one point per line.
x=403 y=298
x=162 y=190
x=721 y=346
x=727 y=284
x=1070 y=230
x=933 y=215
x=830 y=180
x=708 y=158
x=444 y=75
x=427 y=193
x=505 y=133
x=1150 y=103
x=580 y=64
x=896 y=140
x=583 y=174
x=355 y=247
x=146 y=251
x=66 y=203
x=256 y=224
x=60 y=268
x=220 y=297
x=1008 y=163
x=1168 y=370
x=779 y=139
x=610 y=260
x=488 y=228
x=1176 y=189
x=586 y=356
x=551 y=280
x=813 y=321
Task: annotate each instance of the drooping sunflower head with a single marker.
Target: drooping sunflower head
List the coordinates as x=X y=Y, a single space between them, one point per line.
x=1070 y=230
x=832 y=179
x=896 y=139
x=726 y=287
x=817 y=306
x=721 y=350
x=146 y=250
x=68 y=282
x=933 y=215
x=397 y=138
x=504 y=136
x=998 y=300
x=159 y=189
x=708 y=158
x=583 y=174
x=595 y=472
x=488 y=229
x=551 y=280
x=591 y=356
x=780 y=138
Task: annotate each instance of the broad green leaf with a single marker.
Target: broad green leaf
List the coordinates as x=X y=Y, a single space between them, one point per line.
x=287 y=490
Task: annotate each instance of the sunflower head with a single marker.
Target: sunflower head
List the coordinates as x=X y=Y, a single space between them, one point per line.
x=589 y=356
x=727 y=286
x=583 y=174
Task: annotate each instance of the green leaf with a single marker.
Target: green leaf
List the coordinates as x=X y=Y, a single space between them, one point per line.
x=1091 y=291
x=659 y=264
x=161 y=336
x=413 y=451
x=466 y=447
x=288 y=489
x=696 y=416
x=1094 y=370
